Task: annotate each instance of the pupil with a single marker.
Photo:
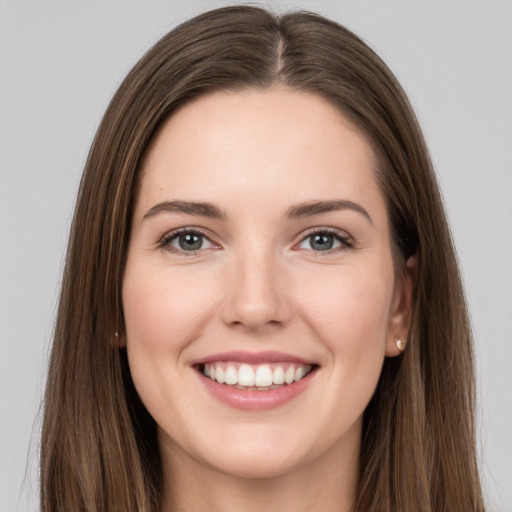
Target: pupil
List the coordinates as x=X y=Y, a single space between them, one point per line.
x=190 y=242
x=322 y=242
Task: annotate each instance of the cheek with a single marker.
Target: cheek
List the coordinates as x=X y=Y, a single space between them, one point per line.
x=164 y=312
x=349 y=308
x=348 y=312
x=165 y=309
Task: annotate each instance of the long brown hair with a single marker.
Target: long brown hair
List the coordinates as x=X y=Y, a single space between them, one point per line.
x=99 y=450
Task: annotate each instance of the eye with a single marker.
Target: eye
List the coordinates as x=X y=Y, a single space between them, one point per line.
x=186 y=241
x=325 y=240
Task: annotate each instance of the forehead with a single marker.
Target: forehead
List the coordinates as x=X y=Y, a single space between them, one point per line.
x=285 y=145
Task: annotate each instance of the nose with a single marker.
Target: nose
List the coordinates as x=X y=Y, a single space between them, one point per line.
x=256 y=294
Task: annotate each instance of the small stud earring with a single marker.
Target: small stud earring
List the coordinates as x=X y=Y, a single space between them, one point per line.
x=400 y=345
x=117 y=340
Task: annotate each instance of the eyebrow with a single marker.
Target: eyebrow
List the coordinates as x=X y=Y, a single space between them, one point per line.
x=187 y=207
x=298 y=211
x=309 y=209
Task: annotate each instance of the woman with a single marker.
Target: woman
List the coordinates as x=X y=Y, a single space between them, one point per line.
x=261 y=305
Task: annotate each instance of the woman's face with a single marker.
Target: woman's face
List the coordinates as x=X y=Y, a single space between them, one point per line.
x=259 y=294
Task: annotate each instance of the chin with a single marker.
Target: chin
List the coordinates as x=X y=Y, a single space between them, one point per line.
x=247 y=452
x=257 y=466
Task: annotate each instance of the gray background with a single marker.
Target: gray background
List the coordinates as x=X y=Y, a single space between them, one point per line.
x=60 y=62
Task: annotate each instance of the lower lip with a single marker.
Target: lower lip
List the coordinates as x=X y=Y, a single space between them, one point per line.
x=256 y=400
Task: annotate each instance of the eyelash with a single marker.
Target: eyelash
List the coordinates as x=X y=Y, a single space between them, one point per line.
x=165 y=241
x=345 y=240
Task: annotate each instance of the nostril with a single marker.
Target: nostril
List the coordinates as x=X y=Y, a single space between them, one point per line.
x=253 y=324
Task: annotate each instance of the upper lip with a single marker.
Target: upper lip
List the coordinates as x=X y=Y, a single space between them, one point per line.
x=268 y=356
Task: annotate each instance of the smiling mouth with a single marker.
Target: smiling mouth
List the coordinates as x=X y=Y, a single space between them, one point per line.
x=255 y=377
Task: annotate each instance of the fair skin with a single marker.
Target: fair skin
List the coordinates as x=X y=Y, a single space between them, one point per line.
x=257 y=278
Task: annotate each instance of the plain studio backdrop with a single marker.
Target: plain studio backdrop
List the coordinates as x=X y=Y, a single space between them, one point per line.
x=60 y=63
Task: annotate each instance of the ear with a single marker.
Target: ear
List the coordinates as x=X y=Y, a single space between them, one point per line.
x=400 y=315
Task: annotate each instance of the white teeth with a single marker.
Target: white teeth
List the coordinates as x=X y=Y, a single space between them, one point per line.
x=245 y=375
x=219 y=375
x=289 y=375
x=299 y=373
x=278 y=376
x=262 y=377
x=231 y=375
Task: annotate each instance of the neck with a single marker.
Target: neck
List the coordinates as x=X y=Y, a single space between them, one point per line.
x=328 y=484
